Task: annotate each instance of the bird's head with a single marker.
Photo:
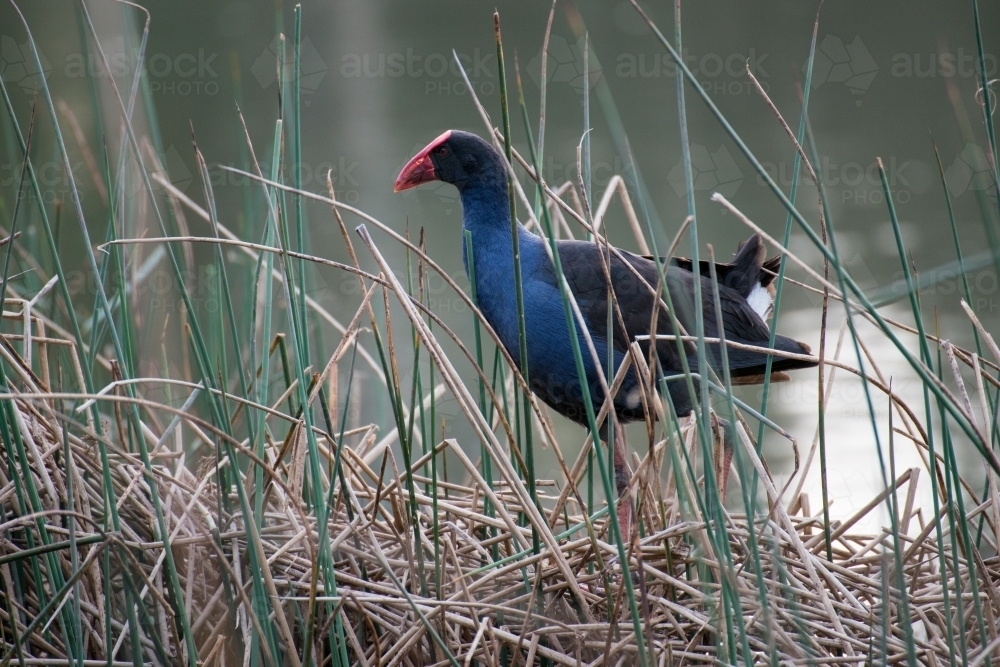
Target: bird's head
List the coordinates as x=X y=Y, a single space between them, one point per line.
x=460 y=158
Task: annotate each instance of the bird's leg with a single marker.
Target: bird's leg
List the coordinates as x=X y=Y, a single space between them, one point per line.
x=728 y=447
x=622 y=479
x=623 y=476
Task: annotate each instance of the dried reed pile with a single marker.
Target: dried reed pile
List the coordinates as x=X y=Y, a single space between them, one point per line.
x=464 y=581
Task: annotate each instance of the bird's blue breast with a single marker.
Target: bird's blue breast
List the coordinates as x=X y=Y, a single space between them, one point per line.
x=552 y=367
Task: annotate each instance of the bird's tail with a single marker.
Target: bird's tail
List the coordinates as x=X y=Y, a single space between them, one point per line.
x=786 y=344
x=779 y=364
x=753 y=372
x=747 y=264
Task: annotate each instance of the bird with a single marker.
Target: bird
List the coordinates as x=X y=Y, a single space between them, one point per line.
x=745 y=293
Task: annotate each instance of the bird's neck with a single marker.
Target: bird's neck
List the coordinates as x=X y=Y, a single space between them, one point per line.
x=486 y=220
x=486 y=216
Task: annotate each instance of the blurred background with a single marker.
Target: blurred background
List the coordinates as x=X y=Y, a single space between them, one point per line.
x=378 y=83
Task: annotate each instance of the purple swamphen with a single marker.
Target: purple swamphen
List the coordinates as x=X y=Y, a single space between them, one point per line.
x=479 y=172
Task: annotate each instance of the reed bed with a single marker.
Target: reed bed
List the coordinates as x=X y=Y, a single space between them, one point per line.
x=216 y=505
x=477 y=587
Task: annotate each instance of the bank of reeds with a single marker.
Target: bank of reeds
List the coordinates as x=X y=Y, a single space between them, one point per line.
x=231 y=514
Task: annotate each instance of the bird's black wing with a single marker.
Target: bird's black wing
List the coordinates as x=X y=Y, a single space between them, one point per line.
x=632 y=282
x=634 y=288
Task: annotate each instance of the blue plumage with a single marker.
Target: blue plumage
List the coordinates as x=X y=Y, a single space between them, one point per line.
x=552 y=367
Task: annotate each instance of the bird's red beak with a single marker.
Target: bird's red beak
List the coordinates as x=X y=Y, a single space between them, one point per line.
x=419 y=169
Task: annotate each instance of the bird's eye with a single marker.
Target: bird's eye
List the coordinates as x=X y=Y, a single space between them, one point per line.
x=442 y=151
